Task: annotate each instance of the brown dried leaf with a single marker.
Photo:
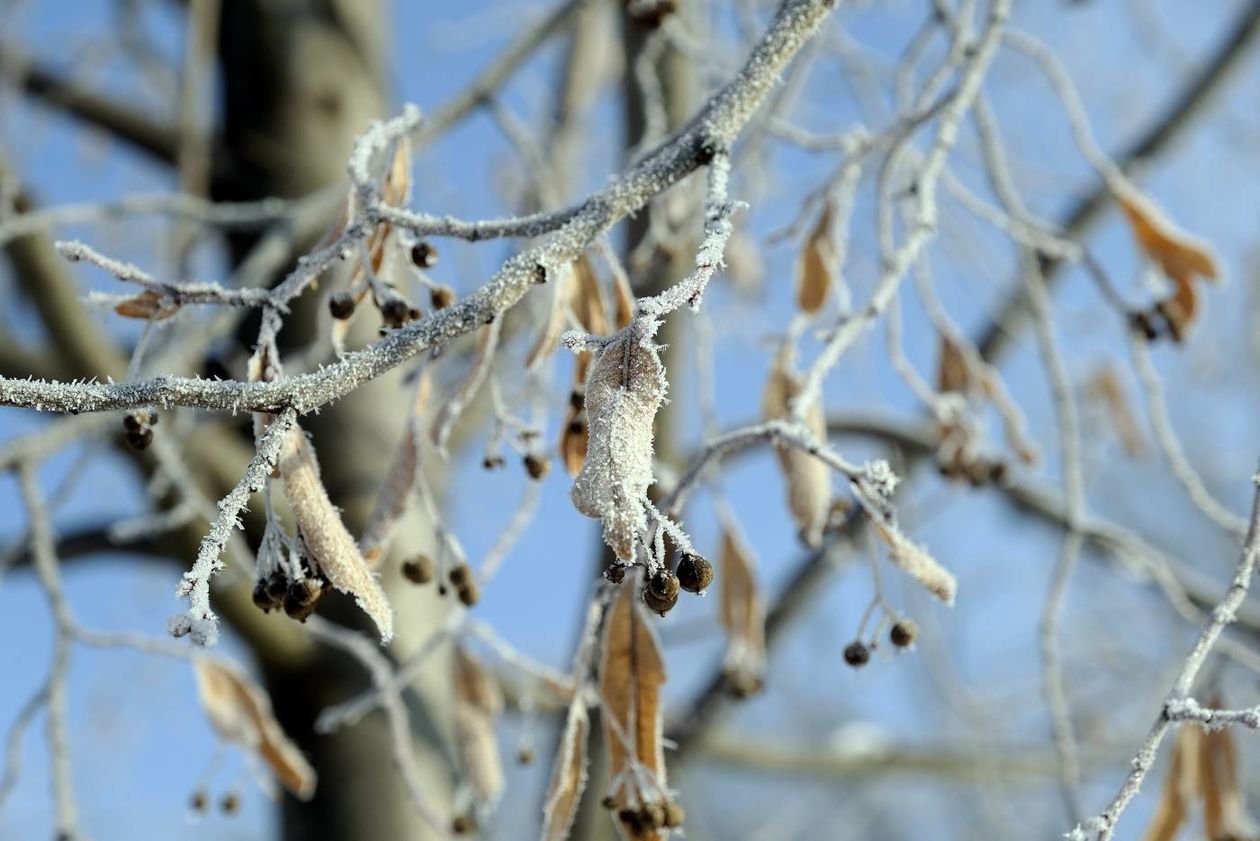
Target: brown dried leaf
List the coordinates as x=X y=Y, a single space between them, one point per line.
x=742 y=613
x=1105 y=386
x=631 y=673
x=574 y=439
x=1179 y=787
x=808 y=479
x=817 y=265
x=953 y=372
x=241 y=713
x=1180 y=256
x=623 y=301
x=568 y=778
x=455 y=404
x=478 y=702
x=624 y=389
x=149 y=305
x=325 y=535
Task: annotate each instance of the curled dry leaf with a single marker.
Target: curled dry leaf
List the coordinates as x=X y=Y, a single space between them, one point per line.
x=455 y=404
x=478 y=702
x=631 y=673
x=817 y=265
x=588 y=301
x=808 y=479
x=562 y=295
x=624 y=389
x=325 y=535
x=149 y=305
x=917 y=563
x=241 y=713
x=1180 y=783
x=623 y=300
x=568 y=778
x=1180 y=256
x=742 y=615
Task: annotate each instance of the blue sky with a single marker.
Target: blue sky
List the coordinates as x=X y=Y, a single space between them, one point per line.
x=140 y=742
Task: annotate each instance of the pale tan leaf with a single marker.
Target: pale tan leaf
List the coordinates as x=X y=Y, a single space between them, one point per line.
x=631 y=673
x=557 y=320
x=149 y=305
x=1180 y=783
x=1105 y=387
x=953 y=372
x=1225 y=816
x=816 y=267
x=574 y=439
x=455 y=404
x=917 y=563
x=808 y=479
x=625 y=387
x=623 y=300
x=330 y=544
x=589 y=298
x=568 y=777
x=241 y=713
x=742 y=614
x=391 y=500
x=478 y=702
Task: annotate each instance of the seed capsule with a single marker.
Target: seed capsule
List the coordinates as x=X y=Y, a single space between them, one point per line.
x=418 y=570
x=424 y=255
x=536 y=466
x=460 y=575
x=301 y=597
x=230 y=803
x=469 y=594
x=615 y=573
x=903 y=633
x=394 y=312
x=856 y=654
x=674 y=815
x=442 y=297
x=661 y=592
x=695 y=573
x=341 y=305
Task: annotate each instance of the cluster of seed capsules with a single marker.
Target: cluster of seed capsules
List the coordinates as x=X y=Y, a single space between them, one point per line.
x=902 y=634
x=649 y=816
x=420 y=570
x=660 y=591
x=297 y=598
x=395 y=310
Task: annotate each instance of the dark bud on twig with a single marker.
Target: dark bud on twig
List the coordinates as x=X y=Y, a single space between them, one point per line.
x=536 y=466
x=441 y=297
x=856 y=654
x=418 y=570
x=661 y=592
x=706 y=150
x=424 y=255
x=695 y=573
x=903 y=633
x=341 y=305
x=301 y=598
x=615 y=573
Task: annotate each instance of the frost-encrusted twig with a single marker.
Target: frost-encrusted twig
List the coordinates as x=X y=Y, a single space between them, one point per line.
x=1188 y=710
x=1102 y=826
x=200 y=621
x=713 y=128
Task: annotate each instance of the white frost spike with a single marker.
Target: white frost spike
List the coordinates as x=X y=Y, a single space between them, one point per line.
x=625 y=387
x=325 y=534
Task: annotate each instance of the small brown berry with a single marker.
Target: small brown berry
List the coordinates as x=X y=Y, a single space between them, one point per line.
x=903 y=633
x=631 y=818
x=492 y=462
x=615 y=573
x=1141 y=323
x=424 y=255
x=674 y=815
x=460 y=575
x=301 y=598
x=140 y=439
x=441 y=297
x=418 y=570
x=609 y=802
x=262 y=597
x=413 y=313
x=230 y=803
x=131 y=422
x=469 y=594
x=199 y=801
x=577 y=426
x=394 y=312
x=341 y=305
x=463 y=824
x=277 y=586
x=661 y=592
x=653 y=815
x=856 y=654
x=695 y=573
x=525 y=755
x=536 y=466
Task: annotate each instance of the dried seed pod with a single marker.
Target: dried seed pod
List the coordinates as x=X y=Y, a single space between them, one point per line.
x=856 y=654
x=624 y=389
x=463 y=824
x=664 y=584
x=469 y=594
x=424 y=254
x=200 y=800
x=652 y=815
x=441 y=297
x=418 y=570
x=230 y=803
x=536 y=466
x=658 y=603
x=263 y=599
x=460 y=575
x=301 y=598
x=493 y=462
x=525 y=755
x=568 y=777
x=808 y=479
x=695 y=573
x=140 y=439
x=742 y=615
x=341 y=305
x=478 y=702
x=674 y=814
x=615 y=573
x=817 y=264
x=903 y=633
